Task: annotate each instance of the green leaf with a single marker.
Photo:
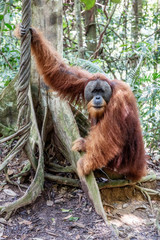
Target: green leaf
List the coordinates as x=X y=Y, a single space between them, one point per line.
x=66 y=210
x=116 y=1
x=87 y=65
x=88 y=3
x=73 y=219
x=53 y=220
x=1 y=16
x=8 y=26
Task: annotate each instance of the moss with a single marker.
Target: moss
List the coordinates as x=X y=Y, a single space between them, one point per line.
x=8 y=107
x=6 y=131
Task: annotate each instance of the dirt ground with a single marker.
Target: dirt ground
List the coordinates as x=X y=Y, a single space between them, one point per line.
x=64 y=213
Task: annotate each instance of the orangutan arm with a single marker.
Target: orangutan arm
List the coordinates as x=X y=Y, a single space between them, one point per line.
x=67 y=81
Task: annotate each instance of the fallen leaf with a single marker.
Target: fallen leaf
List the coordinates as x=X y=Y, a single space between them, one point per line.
x=28 y=211
x=26 y=222
x=1 y=230
x=37 y=239
x=49 y=203
x=125 y=205
x=74 y=219
x=65 y=218
x=80 y=225
x=3 y=221
x=59 y=200
x=9 y=192
x=23 y=237
x=66 y=210
x=53 y=221
x=10 y=172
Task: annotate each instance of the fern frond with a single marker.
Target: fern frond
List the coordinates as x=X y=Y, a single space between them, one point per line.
x=133 y=75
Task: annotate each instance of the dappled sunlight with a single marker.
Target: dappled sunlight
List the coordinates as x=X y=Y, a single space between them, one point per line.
x=131 y=219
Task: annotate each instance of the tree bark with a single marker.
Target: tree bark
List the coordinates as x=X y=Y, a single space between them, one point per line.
x=137 y=13
x=90 y=29
x=62 y=121
x=8 y=108
x=157 y=39
x=79 y=28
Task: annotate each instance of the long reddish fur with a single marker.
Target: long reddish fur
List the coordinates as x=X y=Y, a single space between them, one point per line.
x=116 y=141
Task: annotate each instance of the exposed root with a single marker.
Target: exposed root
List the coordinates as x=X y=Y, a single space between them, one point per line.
x=149 y=191
x=16 y=134
x=31 y=194
x=24 y=171
x=63 y=180
x=14 y=183
x=53 y=167
x=158 y=223
x=122 y=182
x=36 y=186
x=145 y=193
x=29 y=151
x=16 y=149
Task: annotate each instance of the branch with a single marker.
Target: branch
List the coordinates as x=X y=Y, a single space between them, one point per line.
x=6 y=60
x=111 y=70
x=20 y=132
x=158 y=30
x=53 y=167
x=105 y=12
x=63 y=180
x=116 y=34
x=101 y=35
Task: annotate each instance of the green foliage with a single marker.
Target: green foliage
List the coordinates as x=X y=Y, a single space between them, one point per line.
x=73 y=219
x=116 y=1
x=66 y=210
x=88 y=4
x=9 y=49
x=147 y=91
x=122 y=54
x=125 y=55
x=85 y=64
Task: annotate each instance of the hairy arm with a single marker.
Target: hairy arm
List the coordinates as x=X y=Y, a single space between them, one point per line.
x=67 y=81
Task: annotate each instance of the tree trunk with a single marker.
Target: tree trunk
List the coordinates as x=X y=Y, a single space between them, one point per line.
x=135 y=21
x=8 y=109
x=90 y=29
x=137 y=14
x=79 y=28
x=57 y=114
x=48 y=114
x=157 y=39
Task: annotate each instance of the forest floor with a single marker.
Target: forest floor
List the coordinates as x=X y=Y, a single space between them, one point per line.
x=64 y=213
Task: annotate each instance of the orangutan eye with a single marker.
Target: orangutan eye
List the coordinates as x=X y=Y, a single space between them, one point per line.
x=98 y=91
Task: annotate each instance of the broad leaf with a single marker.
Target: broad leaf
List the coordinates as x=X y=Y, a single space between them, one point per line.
x=1 y=16
x=89 y=4
x=116 y=1
x=8 y=26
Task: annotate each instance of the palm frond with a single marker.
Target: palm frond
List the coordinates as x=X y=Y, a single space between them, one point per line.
x=87 y=65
